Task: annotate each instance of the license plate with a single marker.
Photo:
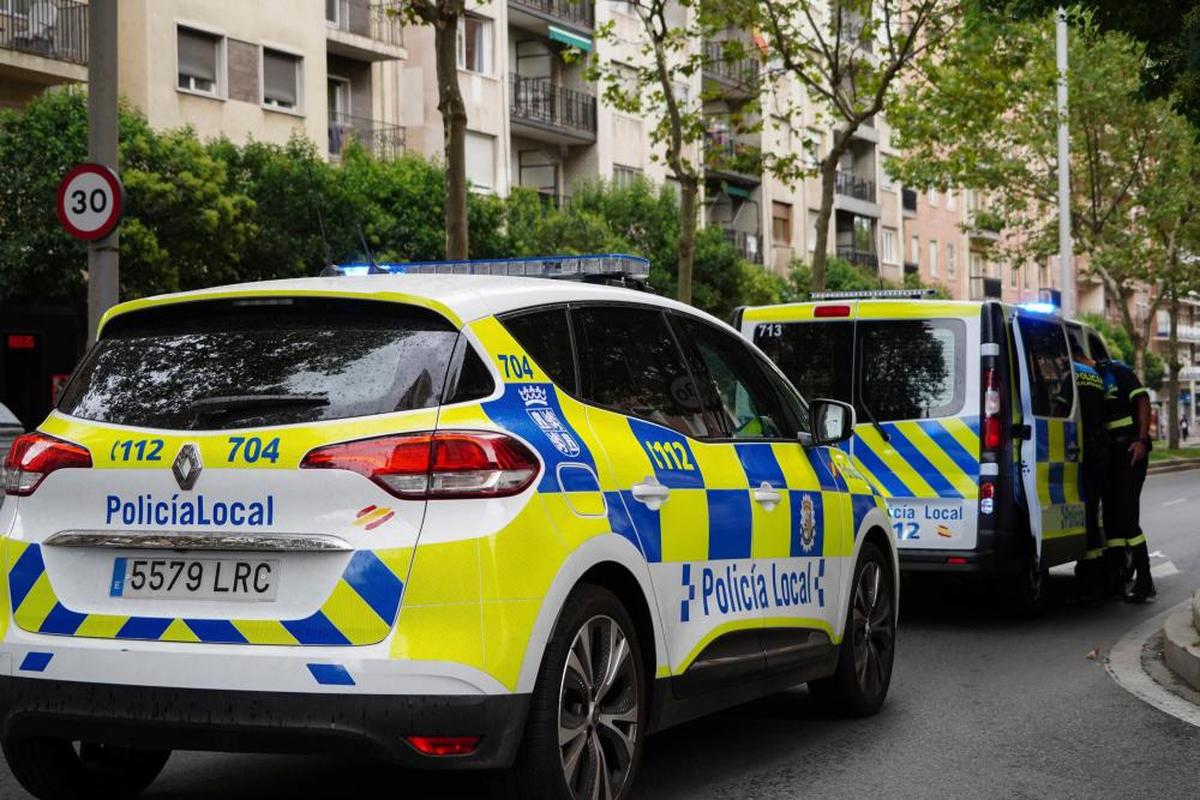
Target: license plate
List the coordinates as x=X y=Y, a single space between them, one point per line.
x=196 y=579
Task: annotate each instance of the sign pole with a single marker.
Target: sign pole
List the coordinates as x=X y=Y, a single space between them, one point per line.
x=103 y=254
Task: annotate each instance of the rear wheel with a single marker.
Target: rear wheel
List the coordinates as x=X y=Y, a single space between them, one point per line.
x=57 y=769
x=864 y=668
x=1027 y=591
x=586 y=721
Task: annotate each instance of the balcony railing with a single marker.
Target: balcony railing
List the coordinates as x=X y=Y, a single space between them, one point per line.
x=363 y=18
x=863 y=258
x=542 y=101
x=381 y=140
x=723 y=152
x=749 y=245
x=850 y=185
x=1186 y=333
x=742 y=72
x=580 y=13
x=57 y=30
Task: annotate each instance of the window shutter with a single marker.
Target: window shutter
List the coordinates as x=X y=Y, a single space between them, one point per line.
x=197 y=55
x=279 y=77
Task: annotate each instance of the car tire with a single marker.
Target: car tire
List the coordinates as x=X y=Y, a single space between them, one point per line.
x=860 y=683
x=57 y=769
x=1027 y=592
x=583 y=728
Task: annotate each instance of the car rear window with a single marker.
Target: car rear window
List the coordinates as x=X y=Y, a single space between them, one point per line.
x=912 y=369
x=247 y=363
x=817 y=357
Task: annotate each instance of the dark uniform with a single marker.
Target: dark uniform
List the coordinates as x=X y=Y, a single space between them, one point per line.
x=1094 y=470
x=1122 y=498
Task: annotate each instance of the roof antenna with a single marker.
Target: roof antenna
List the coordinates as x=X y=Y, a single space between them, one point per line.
x=330 y=270
x=375 y=269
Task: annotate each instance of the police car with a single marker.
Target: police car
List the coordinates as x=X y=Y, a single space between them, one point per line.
x=967 y=421
x=451 y=520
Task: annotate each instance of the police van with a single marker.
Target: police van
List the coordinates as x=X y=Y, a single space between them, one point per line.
x=451 y=520
x=966 y=421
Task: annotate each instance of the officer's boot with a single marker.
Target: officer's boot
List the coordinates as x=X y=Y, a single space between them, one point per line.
x=1143 y=584
x=1114 y=573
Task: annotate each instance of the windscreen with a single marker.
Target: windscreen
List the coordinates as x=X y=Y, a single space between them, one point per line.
x=241 y=364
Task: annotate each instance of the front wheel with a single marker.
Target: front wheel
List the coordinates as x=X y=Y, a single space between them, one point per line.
x=587 y=713
x=57 y=769
x=864 y=668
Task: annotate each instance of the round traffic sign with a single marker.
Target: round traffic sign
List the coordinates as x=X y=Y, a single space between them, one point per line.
x=90 y=202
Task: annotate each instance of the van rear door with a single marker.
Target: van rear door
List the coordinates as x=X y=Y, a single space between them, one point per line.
x=1050 y=449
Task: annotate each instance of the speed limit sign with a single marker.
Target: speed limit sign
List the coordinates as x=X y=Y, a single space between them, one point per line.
x=90 y=202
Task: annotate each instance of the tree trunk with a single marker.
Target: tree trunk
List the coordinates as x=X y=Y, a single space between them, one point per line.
x=689 y=189
x=454 y=124
x=820 y=256
x=1173 y=383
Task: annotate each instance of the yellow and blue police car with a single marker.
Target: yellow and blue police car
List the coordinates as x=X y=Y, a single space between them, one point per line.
x=451 y=520
x=968 y=422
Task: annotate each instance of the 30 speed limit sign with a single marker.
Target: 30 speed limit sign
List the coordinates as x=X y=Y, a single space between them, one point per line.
x=90 y=202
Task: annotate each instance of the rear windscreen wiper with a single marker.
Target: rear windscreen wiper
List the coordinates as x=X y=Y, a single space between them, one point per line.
x=240 y=402
x=883 y=434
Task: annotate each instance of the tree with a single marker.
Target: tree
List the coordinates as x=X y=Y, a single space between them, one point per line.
x=651 y=89
x=444 y=17
x=848 y=56
x=983 y=117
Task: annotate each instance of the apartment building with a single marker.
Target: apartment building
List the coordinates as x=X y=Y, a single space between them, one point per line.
x=42 y=44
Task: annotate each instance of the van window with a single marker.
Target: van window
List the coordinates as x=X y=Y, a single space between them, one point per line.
x=630 y=363
x=817 y=357
x=248 y=363
x=1050 y=367
x=911 y=369
x=546 y=335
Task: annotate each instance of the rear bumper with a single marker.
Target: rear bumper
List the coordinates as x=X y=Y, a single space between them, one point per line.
x=264 y=722
x=948 y=562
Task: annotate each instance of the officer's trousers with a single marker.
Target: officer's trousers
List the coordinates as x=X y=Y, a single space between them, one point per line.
x=1122 y=508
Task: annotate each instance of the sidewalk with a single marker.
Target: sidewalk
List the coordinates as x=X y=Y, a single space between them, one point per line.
x=1181 y=642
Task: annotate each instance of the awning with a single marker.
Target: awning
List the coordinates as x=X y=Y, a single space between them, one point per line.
x=572 y=39
x=737 y=191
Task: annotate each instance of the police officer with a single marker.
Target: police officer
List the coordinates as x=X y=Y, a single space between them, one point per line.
x=1090 y=570
x=1127 y=411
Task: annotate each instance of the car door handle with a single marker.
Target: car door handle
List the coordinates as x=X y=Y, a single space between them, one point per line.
x=766 y=496
x=651 y=492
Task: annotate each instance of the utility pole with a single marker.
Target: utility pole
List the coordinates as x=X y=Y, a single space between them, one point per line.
x=1065 y=258
x=104 y=254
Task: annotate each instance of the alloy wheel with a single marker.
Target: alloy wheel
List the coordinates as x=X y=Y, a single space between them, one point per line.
x=874 y=633
x=598 y=713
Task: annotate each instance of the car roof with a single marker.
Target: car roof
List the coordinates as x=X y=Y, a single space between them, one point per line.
x=461 y=298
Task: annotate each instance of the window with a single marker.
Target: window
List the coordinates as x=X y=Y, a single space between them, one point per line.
x=481 y=160
x=281 y=80
x=781 y=223
x=473 y=381
x=933 y=196
x=627 y=80
x=226 y=364
x=1012 y=275
x=546 y=335
x=911 y=369
x=977 y=265
x=951 y=260
x=813 y=355
x=749 y=407
x=1049 y=364
x=888 y=246
x=952 y=199
x=475 y=44
x=629 y=363
x=198 y=55
x=885 y=180
x=625 y=176
x=914 y=249
x=933 y=258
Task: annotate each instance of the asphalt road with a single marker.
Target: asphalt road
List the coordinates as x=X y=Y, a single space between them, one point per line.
x=981 y=706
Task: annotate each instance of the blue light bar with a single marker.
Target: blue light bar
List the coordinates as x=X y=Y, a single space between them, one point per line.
x=601 y=265
x=1049 y=309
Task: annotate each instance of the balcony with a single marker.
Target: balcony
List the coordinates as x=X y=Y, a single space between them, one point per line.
x=861 y=258
x=983 y=226
x=748 y=245
x=911 y=268
x=1186 y=333
x=381 y=140
x=578 y=14
x=57 y=31
x=544 y=110
x=908 y=200
x=850 y=185
x=728 y=159
x=363 y=30
x=738 y=76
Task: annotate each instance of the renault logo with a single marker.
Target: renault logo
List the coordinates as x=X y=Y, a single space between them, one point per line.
x=187 y=466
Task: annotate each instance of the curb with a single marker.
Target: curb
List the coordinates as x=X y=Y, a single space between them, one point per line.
x=1124 y=664
x=1181 y=643
x=1173 y=465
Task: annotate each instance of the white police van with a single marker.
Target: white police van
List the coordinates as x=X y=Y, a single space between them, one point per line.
x=450 y=520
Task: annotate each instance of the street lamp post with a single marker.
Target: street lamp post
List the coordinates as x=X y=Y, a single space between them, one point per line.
x=103 y=254
x=1067 y=273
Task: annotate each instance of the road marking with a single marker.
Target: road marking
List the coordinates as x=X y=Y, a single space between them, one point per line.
x=1176 y=501
x=1164 y=570
x=1157 y=554
x=1124 y=664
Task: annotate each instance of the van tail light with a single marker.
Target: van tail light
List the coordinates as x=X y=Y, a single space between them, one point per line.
x=33 y=456
x=987 y=498
x=992 y=424
x=438 y=465
x=831 y=311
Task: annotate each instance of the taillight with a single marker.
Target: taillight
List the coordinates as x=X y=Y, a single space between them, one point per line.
x=33 y=456
x=444 y=745
x=992 y=424
x=987 y=498
x=440 y=465
x=831 y=311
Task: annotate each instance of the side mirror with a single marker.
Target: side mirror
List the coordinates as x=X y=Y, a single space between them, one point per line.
x=831 y=422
